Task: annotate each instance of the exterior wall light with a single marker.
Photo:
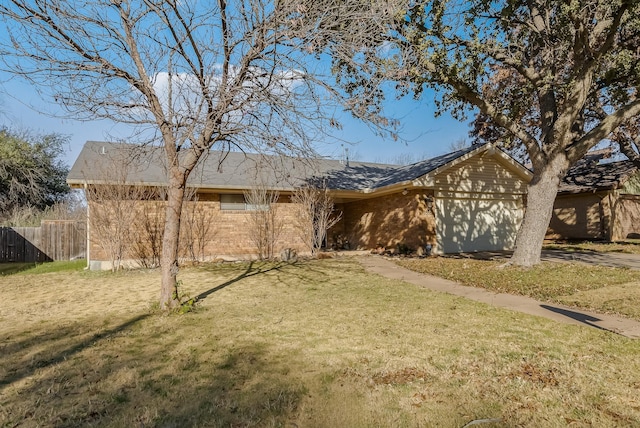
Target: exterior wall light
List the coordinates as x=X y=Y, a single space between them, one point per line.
x=429 y=201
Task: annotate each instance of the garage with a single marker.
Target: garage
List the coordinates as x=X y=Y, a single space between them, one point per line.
x=477 y=222
x=479 y=203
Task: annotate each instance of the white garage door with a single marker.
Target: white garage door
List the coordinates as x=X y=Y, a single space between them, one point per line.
x=466 y=224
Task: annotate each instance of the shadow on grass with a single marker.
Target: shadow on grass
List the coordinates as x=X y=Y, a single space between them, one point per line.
x=14 y=268
x=301 y=270
x=250 y=386
x=252 y=269
x=578 y=316
x=51 y=351
x=581 y=246
x=7 y=269
x=162 y=379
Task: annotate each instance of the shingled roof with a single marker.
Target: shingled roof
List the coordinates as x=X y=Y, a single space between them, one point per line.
x=217 y=170
x=234 y=170
x=587 y=176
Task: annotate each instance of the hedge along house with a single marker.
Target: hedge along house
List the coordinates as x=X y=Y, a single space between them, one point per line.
x=598 y=201
x=467 y=200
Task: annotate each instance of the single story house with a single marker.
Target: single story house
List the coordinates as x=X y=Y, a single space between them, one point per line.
x=468 y=200
x=598 y=201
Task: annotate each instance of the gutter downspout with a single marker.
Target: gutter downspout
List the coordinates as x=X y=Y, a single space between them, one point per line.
x=88 y=247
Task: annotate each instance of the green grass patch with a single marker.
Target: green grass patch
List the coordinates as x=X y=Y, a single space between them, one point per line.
x=318 y=343
x=58 y=266
x=13 y=268
x=40 y=268
x=570 y=283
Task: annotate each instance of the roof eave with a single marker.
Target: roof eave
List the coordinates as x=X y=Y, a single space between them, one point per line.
x=590 y=190
x=428 y=180
x=79 y=184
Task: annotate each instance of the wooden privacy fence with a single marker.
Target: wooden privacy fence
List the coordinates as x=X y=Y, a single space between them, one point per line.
x=53 y=240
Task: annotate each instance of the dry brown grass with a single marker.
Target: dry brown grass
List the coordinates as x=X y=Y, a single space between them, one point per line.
x=318 y=344
x=598 y=288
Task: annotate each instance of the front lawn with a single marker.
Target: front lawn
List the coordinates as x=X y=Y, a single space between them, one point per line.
x=604 y=289
x=320 y=344
x=630 y=246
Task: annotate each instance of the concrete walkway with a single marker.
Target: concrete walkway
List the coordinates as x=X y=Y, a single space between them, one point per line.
x=527 y=305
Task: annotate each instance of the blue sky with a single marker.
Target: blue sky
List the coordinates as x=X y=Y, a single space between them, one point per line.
x=423 y=134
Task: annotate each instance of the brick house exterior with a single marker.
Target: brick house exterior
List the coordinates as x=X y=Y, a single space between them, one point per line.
x=598 y=201
x=468 y=200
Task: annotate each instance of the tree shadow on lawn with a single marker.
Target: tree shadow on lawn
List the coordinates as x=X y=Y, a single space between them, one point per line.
x=252 y=385
x=139 y=379
x=259 y=268
x=578 y=316
x=80 y=374
x=250 y=271
x=55 y=346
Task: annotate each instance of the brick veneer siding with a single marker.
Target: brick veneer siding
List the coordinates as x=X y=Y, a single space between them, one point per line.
x=579 y=217
x=626 y=218
x=229 y=235
x=603 y=215
x=388 y=221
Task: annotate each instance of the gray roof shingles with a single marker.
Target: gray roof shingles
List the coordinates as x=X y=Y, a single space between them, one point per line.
x=235 y=170
x=588 y=176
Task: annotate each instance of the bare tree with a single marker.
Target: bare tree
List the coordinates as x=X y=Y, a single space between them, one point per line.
x=112 y=207
x=458 y=144
x=265 y=225
x=149 y=227
x=191 y=75
x=198 y=226
x=315 y=215
x=406 y=158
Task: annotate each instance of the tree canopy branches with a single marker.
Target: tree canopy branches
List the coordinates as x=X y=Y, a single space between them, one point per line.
x=31 y=171
x=552 y=78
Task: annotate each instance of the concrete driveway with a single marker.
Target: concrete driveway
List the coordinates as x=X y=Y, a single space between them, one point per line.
x=631 y=261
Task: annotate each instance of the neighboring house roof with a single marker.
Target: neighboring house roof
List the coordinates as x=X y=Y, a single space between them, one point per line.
x=235 y=170
x=587 y=176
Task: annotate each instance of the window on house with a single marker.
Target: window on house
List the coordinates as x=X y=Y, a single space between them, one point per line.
x=232 y=202
x=238 y=202
x=257 y=207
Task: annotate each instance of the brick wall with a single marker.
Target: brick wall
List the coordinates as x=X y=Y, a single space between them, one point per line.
x=387 y=221
x=578 y=217
x=228 y=235
x=627 y=218
x=595 y=216
x=366 y=224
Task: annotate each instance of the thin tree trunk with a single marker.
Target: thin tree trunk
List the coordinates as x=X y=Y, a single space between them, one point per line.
x=541 y=196
x=171 y=242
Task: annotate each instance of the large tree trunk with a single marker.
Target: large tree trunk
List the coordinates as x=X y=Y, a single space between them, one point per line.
x=541 y=196
x=171 y=243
